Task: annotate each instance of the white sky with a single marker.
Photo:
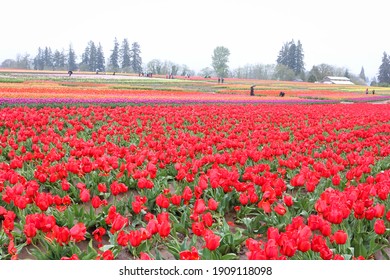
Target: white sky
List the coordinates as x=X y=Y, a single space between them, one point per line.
x=348 y=34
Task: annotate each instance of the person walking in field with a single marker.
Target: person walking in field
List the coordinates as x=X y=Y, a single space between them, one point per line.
x=252 y=93
x=366 y=90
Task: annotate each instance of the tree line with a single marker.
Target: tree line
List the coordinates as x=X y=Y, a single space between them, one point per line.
x=126 y=57
x=290 y=66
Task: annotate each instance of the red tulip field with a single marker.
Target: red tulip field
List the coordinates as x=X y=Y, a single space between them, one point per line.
x=189 y=179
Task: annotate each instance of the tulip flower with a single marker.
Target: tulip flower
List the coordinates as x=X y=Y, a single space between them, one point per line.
x=379 y=227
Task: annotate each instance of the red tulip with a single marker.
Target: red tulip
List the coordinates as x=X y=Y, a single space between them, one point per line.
x=190 y=254
x=271 y=249
x=207 y=219
x=212 y=241
x=77 y=232
x=198 y=228
x=98 y=234
x=30 y=230
x=187 y=193
x=102 y=187
x=63 y=235
x=73 y=257
x=288 y=200
x=176 y=199
x=85 y=195
x=279 y=209
x=118 y=223
x=212 y=204
x=164 y=229
x=108 y=255
x=144 y=256
x=135 y=238
x=199 y=206
x=340 y=237
x=336 y=180
x=122 y=238
x=379 y=227
x=162 y=201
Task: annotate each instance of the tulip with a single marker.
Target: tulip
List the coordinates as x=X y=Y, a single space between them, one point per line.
x=199 y=206
x=164 y=229
x=162 y=201
x=144 y=256
x=189 y=254
x=340 y=237
x=77 y=232
x=379 y=227
x=212 y=204
x=288 y=200
x=279 y=209
x=212 y=241
x=135 y=238
x=85 y=195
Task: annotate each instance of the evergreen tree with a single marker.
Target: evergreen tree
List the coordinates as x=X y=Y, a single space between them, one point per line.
x=71 y=61
x=62 y=61
x=100 y=60
x=283 y=55
x=291 y=55
x=124 y=55
x=85 y=57
x=114 y=57
x=92 y=65
x=384 y=70
x=48 y=58
x=300 y=65
x=362 y=75
x=39 y=60
x=135 y=58
x=57 y=60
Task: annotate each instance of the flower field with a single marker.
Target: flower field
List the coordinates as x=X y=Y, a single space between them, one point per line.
x=190 y=174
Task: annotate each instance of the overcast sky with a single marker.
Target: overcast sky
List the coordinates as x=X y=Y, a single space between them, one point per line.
x=342 y=33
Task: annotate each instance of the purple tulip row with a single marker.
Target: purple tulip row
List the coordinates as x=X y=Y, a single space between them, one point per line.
x=26 y=101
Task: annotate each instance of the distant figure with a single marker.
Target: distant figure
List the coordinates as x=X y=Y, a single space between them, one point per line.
x=70 y=73
x=97 y=71
x=281 y=94
x=113 y=73
x=219 y=80
x=222 y=80
x=373 y=91
x=366 y=90
x=252 y=90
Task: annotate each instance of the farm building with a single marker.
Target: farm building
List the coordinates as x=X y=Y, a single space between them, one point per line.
x=337 y=80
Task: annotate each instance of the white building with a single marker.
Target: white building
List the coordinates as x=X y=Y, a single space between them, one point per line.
x=337 y=80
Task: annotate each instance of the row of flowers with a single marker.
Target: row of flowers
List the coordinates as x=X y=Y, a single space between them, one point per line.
x=154 y=100
x=73 y=92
